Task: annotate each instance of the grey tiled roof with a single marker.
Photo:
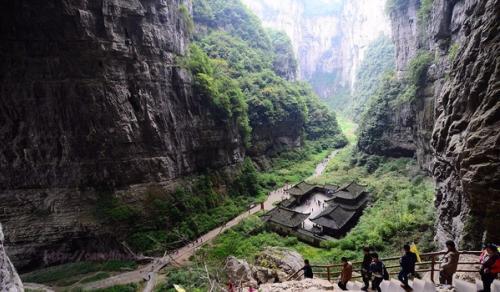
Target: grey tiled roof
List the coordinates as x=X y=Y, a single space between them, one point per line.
x=334 y=217
x=300 y=189
x=285 y=217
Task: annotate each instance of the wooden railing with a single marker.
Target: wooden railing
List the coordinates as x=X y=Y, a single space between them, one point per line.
x=428 y=264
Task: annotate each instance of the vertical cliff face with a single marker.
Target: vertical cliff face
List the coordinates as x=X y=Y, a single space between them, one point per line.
x=329 y=36
x=455 y=110
x=92 y=98
x=466 y=135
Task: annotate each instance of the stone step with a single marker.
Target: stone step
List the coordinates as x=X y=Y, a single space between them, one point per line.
x=464 y=286
x=495 y=287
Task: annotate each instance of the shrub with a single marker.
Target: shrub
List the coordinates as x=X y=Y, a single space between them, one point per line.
x=424 y=11
x=417 y=68
x=453 y=52
x=186 y=17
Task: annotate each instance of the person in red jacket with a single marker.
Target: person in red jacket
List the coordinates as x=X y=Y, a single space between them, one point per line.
x=490 y=266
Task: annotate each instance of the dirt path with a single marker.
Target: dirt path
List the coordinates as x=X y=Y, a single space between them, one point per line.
x=180 y=256
x=320 y=168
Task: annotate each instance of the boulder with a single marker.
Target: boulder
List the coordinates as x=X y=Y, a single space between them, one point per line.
x=282 y=259
x=240 y=272
x=264 y=275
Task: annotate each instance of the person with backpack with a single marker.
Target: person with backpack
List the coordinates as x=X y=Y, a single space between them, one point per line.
x=407 y=263
x=346 y=274
x=449 y=264
x=365 y=268
x=377 y=268
x=490 y=266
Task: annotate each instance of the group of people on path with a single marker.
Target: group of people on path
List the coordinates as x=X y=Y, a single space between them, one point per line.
x=374 y=270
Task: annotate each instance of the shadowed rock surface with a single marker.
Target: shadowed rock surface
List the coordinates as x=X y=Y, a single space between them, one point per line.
x=92 y=99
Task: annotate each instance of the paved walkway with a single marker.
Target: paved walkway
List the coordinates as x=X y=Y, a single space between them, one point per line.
x=182 y=255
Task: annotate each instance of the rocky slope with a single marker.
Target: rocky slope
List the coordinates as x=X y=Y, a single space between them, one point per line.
x=92 y=100
x=455 y=112
x=329 y=37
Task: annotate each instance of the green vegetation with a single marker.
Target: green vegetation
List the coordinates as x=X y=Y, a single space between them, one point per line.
x=424 y=11
x=391 y=94
x=215 y=85
x=244 y=55
x=417 y=68
x=377 y=115
x=453 y=52
x=186 y=17
x=98 y=276
x=171 y=219
x=68 y=274
x=378 y=60
x=294 y=166
x=284 y=63
x=348 y=128
x=396 y=5
x=402 y=211
x=192 y=278
x=233 y=17
x=120 y=288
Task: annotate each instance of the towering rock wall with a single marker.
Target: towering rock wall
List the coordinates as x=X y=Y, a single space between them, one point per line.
x=466 y=135
x=92 y=99
x=329 y=36
x=455 y=112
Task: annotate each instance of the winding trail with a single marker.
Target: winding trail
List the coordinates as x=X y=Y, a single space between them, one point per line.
x=180 y=256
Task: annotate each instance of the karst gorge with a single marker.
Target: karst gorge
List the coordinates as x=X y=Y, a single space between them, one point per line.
x=213 y=145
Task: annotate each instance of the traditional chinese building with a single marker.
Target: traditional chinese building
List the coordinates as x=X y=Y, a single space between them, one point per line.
x=340 y=212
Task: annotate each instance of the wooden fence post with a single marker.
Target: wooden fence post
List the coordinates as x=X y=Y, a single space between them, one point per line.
x=328 y=273
x=433 y=262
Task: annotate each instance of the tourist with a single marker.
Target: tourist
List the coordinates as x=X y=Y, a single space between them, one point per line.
x=449 y=264
x=346 y=274
x=407 y=263
x=378 y=270
x=365 y=268
x=490 y=266
x=308 y=272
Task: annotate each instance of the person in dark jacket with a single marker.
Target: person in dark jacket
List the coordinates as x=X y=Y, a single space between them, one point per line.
x=489 y=266
x=308 y=272
x=407 y=263
x=365 y=268
x=377 y=269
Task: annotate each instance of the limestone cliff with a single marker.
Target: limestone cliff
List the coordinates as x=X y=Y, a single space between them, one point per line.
x=329 y=36
x=9 y=279
x=455 y=109
x=92 y=99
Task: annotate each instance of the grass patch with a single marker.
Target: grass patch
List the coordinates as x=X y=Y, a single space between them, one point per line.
x=120 y=288
x=348 y=127
x=68 y=274
x=96 y=277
